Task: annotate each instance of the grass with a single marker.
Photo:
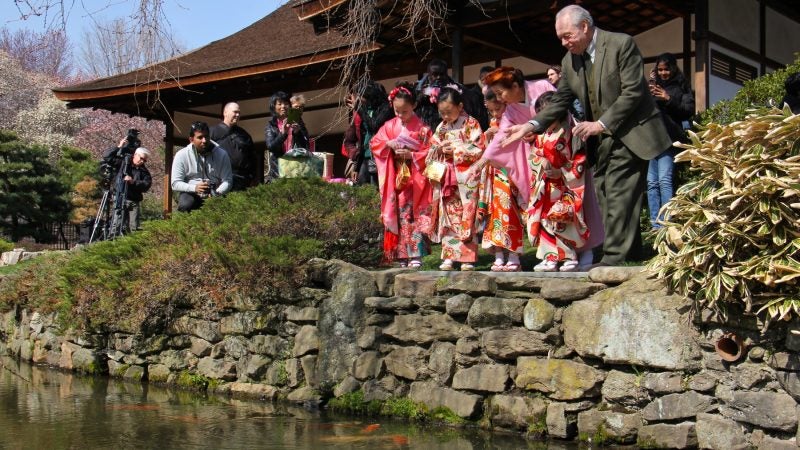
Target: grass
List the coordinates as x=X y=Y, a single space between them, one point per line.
x=400 y=407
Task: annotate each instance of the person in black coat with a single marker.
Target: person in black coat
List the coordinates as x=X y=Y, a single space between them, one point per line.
x=281 y=133
x=371 y=110
x=675 y=99
x=237 y=142
x=137 y=178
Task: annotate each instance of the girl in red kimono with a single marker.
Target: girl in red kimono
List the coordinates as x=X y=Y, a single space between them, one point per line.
x=556 y=222
x=399 y=149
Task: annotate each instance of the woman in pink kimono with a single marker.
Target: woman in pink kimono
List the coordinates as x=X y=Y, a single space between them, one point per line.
x=399 y=149
x=519 y=96
x=458 y=143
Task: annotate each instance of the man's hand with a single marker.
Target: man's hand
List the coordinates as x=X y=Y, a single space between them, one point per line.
x=128 y=179
x=123 y=143
x=585 y=129
x=202 y=188
x=517 y=132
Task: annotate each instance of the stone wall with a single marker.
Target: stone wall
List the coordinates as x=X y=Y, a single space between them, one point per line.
x=608 y=358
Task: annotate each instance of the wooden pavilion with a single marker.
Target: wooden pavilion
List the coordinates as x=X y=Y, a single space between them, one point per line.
x=296 y=47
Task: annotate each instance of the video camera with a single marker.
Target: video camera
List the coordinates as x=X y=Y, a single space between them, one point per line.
x=112 y=161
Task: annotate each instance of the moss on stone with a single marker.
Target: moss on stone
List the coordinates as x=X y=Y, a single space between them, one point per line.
x=537 y=426
x=194 y=381
x=404 y=407
x=447 y=415
x=120 y=372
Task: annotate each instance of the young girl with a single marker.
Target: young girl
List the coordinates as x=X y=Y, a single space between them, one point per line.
x=400 y=148
x=503 y=229
x=555 y=212
x=458 y=142
x=519 y=96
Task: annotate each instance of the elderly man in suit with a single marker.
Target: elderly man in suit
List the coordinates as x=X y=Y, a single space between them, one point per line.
x=623 y=126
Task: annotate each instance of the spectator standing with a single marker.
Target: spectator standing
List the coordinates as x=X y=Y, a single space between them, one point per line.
x=139 y=182
x=282 y=134
x=623 y=125
x=200 y=170
x=239 y=145
x=675 y=100
x=370 y=111
x=400 y=148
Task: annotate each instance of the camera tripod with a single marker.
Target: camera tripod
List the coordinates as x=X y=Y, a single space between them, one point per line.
x=111 y=223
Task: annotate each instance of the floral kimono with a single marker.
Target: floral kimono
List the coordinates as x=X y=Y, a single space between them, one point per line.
x=405 y=212
x=503 y=228
x=455 y=197
x=556 y=210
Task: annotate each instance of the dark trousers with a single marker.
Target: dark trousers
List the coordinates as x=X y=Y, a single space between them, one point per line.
x=189 y=201
x=619 y=178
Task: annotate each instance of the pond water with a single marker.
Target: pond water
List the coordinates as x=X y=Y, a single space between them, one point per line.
x=42 y=408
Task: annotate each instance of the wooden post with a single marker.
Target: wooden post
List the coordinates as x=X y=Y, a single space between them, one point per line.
x=169 y=146
x=458 y=63
x=701 y=49
x=687 y=44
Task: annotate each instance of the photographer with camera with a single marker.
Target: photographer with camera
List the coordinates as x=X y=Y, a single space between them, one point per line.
x=200 y=170
x=124 y=173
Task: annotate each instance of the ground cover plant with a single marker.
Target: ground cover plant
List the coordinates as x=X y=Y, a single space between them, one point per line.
x=247 y=244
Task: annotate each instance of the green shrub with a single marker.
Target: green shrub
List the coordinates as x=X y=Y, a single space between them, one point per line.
x=246 y=244
x=732 y=236
x=5 y=246
x=762 y=92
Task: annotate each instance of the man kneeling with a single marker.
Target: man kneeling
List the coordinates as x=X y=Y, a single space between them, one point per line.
x=200 y=170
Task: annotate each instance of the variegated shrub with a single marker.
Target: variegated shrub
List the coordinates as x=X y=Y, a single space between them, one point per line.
x=733 y=235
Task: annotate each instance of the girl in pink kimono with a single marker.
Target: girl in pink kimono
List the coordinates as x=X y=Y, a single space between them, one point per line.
x=519 y=96
x=458 y=143
x=399 y=149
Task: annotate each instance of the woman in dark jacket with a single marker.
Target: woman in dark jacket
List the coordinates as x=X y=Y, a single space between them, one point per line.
x=371 y=112
x=675 y=99
x=281 y=135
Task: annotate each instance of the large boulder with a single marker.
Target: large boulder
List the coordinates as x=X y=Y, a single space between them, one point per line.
x=773 y=410
x=482 y=377
x=516 y=412
x=434 y=396
x=558 y=378
x=424 y=329
x=509 y=344
x=634 y=323
x=678 y=406
x=663 y=435
x=719 y=433
x=341 y=321
x=624 y=389
x=604 y=426
x=406 y=362
x=495 y=311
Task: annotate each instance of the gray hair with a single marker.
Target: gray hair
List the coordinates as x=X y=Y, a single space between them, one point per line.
x=142 y=151
x=576 y=14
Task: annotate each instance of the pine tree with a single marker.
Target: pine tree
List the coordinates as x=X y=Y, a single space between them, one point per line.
x=32 y=194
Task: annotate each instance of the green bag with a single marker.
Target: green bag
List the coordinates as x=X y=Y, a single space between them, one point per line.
x=299 y=163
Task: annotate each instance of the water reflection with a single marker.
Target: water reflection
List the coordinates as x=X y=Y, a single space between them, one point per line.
x=41 y=408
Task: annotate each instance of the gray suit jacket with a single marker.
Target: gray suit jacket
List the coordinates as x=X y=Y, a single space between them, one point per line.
x=625 y=105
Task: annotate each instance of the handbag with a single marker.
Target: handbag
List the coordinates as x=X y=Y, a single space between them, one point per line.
x=403 y=175
x=562 y=211
x=435 y=170
x=299 y=163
